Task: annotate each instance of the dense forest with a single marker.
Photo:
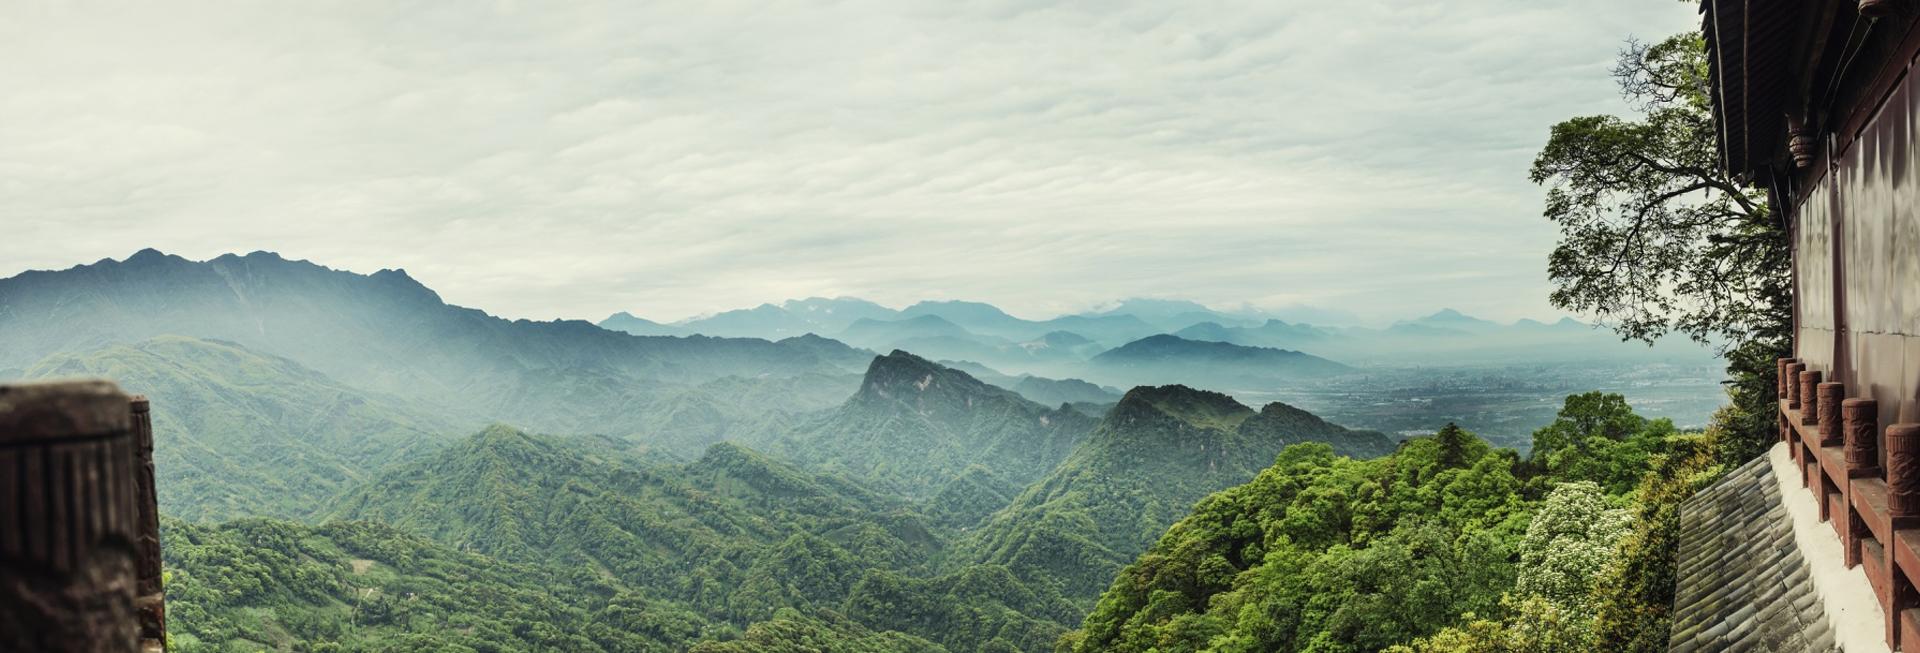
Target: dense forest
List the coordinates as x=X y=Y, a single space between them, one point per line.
x=927 y=511
x=512 y=541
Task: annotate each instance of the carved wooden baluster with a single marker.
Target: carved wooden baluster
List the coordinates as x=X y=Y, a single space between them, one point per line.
x=1809 y=404
x=1903 y=470
x=67 y=578
x=1780 y=376
x=1828 y=397
x=1861 y=426
x=1860 y=430
x=1793 y=387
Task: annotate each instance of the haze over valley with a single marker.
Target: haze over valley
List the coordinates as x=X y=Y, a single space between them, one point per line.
x=1018 y=326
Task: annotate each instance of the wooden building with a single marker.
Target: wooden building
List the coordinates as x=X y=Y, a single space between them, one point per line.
x=1815 y=102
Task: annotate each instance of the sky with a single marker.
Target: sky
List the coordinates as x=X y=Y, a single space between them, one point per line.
x=572 y=159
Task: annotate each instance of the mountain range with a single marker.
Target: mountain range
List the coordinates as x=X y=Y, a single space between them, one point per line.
x=347 y=461
x=1060 y=346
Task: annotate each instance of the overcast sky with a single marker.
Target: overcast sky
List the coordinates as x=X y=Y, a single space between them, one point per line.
x=562 y=159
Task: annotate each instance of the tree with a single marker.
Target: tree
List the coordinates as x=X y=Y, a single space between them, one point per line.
x=1568 y=542
x=1655 y=238
x=1597 y=437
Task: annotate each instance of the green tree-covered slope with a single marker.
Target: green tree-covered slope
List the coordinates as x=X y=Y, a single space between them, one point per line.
x=736 y=536
x=262 y=584
x=238 y=432
x=1153 y=455
x=1446 y=546
x=914 y=426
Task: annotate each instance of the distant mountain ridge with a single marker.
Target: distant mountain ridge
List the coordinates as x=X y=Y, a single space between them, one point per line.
x=990 y=335
x=386 y=332
x=1173 y=359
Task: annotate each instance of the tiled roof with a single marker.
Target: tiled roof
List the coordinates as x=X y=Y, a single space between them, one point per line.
x=1743 y=585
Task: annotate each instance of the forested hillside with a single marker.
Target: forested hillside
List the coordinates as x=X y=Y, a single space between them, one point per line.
x=734 y=537
x=1153 y=455
x=916 y=426
x=1448 y=545
x=238 y=432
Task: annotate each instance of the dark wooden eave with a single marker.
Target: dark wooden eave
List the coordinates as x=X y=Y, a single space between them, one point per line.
x=1762 y=56
x=1819 y=60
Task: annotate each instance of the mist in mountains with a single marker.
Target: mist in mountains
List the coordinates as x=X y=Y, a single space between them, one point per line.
x=942 y=477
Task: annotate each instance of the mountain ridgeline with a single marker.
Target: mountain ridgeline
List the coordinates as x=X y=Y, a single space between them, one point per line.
x=916 y=426
x=346 y=462
x=387 y=333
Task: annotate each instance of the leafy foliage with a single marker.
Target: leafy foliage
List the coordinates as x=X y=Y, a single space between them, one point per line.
x=1658 y=238
x=1438 y=547
x=362 y=586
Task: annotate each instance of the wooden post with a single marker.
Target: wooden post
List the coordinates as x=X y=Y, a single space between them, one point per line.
x=151 y=601
x=67 y=534
x=1781 y=377
x=1809 y=405
x=1903 y=470
x=1827 y=398
x=1793 y=387
x=1860 y=433
x=1860 y=418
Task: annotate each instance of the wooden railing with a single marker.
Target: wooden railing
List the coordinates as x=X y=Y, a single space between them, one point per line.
x=79 y=527
x=1835 y=442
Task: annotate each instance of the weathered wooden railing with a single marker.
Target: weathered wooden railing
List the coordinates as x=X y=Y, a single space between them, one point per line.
x=1874 y=507
x=79 y=527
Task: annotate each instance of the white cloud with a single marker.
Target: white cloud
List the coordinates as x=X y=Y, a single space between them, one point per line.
x=573 y=159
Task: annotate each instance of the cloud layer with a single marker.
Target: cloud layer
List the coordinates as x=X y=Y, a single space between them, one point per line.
x=573 y=159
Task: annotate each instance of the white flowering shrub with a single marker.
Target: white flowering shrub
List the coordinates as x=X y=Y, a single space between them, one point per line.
x=1568 y=542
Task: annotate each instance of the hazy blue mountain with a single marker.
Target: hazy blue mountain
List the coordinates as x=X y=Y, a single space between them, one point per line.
x=985 y=374
x=1449 y=337
x=763 y=321
x=1153 y=455
x=1302 y=313
x=988 y=320
x=1053 y=392
x=978 y=316
x=1448 y=318
x=625 y=322
x=238 y=433
x=1169 y=315
x=1167 y=359
x=1065 y=340
x=384 y=332
x=916 y=425
x=843 y=357
x=1106 y=329
x=885 y=334
x=833 y=315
